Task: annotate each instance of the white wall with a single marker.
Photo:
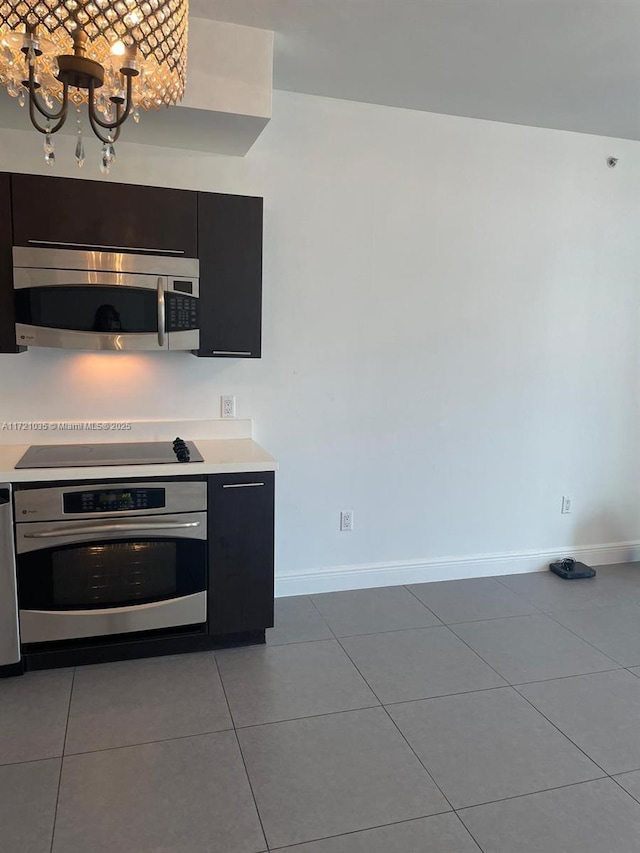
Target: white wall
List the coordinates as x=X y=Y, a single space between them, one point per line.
x=451 y=338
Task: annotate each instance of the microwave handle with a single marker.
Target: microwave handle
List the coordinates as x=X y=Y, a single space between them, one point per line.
x=162 y=314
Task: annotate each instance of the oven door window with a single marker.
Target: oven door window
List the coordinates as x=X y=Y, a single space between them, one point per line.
x=94 y=308
x=117 y=573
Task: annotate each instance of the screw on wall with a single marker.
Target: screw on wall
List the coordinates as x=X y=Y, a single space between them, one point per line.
x=612 y=162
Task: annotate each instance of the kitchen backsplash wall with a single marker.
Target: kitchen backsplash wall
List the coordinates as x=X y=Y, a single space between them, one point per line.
x=450 y=332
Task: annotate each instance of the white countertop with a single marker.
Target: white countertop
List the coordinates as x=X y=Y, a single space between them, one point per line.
x=221 y=456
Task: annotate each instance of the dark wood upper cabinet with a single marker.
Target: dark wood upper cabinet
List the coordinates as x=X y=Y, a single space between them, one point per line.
x=94 y=214
x=223 y=231
x=230 y=251
x=241 y=552
x=7 y=315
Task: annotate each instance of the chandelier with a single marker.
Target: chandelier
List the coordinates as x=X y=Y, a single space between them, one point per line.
x=116 y=56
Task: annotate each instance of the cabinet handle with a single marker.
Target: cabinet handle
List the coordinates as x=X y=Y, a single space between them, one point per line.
x=241 y=485
x=230 y=352
x=110 y=248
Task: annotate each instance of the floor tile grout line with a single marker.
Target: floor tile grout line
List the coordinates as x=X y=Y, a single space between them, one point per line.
x=31 y=760
x=616 y=667
x=244 y=763
x=272 y=645
x=515 y=796
x=411 y=592
x=322 y=617
x=620 y=785
x=402 y=735
x=564 y=734
x=519 y=595
x=473 y=838
x=372 y=589
x=513 y=686
x=309 y=716
x=374 y=633
x=575 y=633
x=422 y=764
x=616 y=602
x=502 y=583
x=505 y=686
x=479 y=656
x=356 y=831
x=532 y=794
x=146 y=742
x=337 y=639
x=489 y=619
x=467 y=621
x=296 y=719
x=442 y=624
x=66 y=754
x=64 y=743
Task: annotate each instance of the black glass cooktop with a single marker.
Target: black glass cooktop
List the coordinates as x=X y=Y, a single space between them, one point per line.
x=123 y=453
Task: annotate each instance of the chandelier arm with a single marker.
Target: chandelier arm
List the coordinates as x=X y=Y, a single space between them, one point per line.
x=116 y=135
x=106 y=140
x=33 y=99
x=94 y=127
x=110 y=125
x=62 y=115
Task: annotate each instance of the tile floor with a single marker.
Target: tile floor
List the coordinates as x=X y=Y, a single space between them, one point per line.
x=499 y=715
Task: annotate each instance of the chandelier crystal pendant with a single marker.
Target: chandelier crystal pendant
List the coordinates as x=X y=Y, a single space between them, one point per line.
x=116 y=56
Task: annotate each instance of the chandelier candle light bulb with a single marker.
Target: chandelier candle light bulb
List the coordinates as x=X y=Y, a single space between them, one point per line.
x=115 y=56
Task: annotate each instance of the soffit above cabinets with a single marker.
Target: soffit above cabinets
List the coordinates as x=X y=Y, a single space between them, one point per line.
x=564 y=64
x=227 y=103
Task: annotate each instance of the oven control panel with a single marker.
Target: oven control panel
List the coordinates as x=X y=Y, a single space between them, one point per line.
x=113 y=500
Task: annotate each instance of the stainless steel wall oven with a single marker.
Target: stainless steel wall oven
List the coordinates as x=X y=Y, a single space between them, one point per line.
x=96 y=560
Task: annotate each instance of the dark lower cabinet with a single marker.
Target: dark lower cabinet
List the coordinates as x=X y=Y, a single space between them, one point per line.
x=241 y=552
x=230 y=251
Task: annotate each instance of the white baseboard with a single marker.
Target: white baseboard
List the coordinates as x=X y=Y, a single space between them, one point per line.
x=449 y=568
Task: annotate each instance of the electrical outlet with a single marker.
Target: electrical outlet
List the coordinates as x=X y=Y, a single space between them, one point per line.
x=346 y=520
x=228 y=406
x=567 y=504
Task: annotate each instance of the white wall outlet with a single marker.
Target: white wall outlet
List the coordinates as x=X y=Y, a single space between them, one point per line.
x=567 y=504
x=228 y=406
x=346 y=519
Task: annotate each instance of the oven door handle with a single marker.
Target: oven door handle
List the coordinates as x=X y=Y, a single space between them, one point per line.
x=61 y=533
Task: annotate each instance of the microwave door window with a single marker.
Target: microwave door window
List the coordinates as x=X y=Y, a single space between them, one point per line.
x=112 y=310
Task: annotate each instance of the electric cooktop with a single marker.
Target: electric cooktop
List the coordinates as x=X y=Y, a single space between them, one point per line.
x=123 y=453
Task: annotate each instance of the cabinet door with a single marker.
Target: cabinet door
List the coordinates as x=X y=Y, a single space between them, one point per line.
x=241 y=541
x=7 y=312
x=103 y=216
x=230 y=251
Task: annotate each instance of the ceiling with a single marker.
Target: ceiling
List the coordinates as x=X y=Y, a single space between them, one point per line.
x=566 y=64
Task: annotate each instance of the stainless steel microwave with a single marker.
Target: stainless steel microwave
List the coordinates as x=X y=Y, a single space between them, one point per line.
x=89 y=300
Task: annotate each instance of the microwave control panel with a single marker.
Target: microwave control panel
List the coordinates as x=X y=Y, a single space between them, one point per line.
x=115 y=500
x=182 y=311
